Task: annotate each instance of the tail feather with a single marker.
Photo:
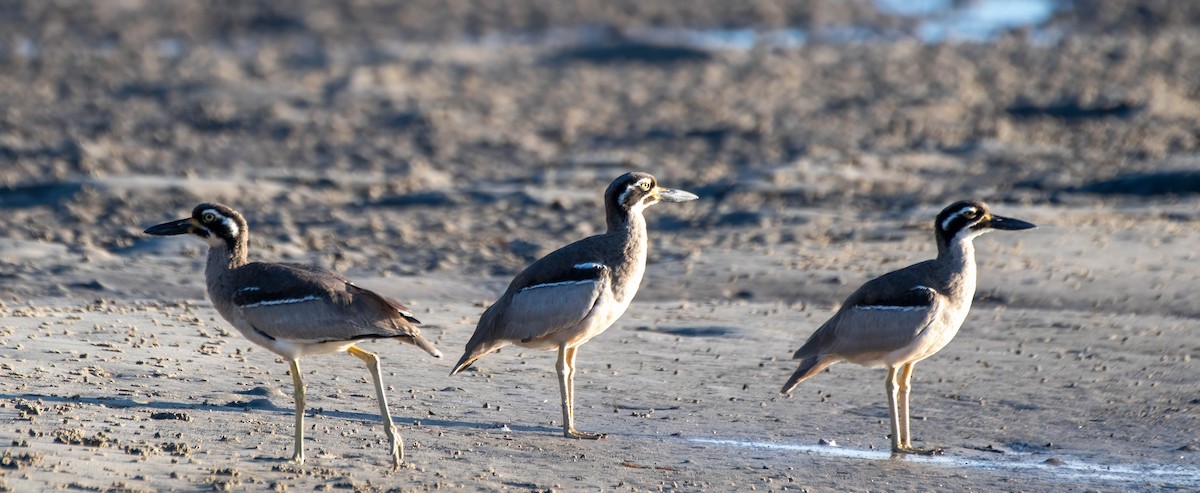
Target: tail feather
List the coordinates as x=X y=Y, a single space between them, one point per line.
x=808 y=367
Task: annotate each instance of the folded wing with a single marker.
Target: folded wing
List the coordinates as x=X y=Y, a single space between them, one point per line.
x=309 y=305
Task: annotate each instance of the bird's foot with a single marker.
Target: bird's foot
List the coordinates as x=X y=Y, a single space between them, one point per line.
x=397 y=444
x=583 y=435
x=397 y=457
x=910 y=450
x=298 y=458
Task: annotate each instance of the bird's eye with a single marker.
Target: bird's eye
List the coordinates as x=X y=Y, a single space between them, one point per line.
x=645 y=185
x=971 y=213
x=209 y=217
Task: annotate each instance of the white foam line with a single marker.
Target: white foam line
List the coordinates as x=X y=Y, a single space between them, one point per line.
x=1072 y=467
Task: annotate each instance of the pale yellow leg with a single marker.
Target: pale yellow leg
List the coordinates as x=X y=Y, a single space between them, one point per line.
x=905 y=382
x=571 y=383
x=571 y=352
x=298 y=395
x=893 y=409
x=389 y=428
x=563 y=389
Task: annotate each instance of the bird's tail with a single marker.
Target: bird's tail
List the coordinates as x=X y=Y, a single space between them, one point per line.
x=809 y=366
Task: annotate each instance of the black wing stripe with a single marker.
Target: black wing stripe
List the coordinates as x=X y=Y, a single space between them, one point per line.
x=579 y=273
x=917 y=298
x=256 y=296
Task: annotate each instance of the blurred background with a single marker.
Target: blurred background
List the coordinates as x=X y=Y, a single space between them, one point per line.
x=470 y=136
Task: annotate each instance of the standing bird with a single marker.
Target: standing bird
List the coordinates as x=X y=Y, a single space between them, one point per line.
x=907 y=315
x=295 y=310
x=576 y=292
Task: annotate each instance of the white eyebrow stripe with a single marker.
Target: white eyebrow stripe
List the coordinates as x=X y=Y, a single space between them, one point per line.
x=959 y=213
x=287 y=301
x=553 y=284
x=229 y=223
x=588 y=265
x=232 y=226
x=621 y=199
x=946 y=223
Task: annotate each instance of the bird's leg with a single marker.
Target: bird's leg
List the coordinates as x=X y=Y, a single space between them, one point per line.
x=571 y=352
x=389 y=428
x=563 y=389
x=893 y=411
x=571 y=383
x=906 y=437
x=905 y=382
x=298 y=395
x=566 y=370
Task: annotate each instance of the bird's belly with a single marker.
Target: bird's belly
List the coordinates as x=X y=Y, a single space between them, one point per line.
x=292 y=350
x=296 y=350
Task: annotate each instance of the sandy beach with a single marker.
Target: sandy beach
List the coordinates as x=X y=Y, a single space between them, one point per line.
x=430 y=152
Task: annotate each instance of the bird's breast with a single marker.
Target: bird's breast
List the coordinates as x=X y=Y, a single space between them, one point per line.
x=606 y=312
x=942 y=329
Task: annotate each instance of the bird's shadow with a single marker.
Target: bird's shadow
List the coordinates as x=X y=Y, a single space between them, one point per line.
x=266 y=405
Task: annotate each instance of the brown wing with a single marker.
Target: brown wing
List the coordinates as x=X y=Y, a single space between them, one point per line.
x=539 y=311
x=308 y=305
x=884 y=315
x=555 y=293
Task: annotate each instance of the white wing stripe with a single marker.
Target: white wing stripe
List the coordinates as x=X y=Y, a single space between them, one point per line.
x=588 y=265
x=553 y=284
x=251 y=288
x=282 y=302
x=895 y=308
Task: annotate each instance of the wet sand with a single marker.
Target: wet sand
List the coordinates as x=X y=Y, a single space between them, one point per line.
x=434 y=168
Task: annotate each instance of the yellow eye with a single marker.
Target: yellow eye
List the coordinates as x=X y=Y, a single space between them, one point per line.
x=971 y=213
x=209 y=217
x=645 y=185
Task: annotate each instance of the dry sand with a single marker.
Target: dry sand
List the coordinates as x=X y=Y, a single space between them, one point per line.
x=434 y=168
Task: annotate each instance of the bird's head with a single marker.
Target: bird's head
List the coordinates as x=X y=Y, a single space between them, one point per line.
x=634 y=192
x=964 y=220
x=216 y=224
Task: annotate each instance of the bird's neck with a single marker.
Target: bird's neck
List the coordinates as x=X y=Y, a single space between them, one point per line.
x=630 y=227
x=958 y=258
x=225 y=257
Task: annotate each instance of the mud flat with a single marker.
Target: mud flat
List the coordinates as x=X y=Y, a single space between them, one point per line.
x=433 y=153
